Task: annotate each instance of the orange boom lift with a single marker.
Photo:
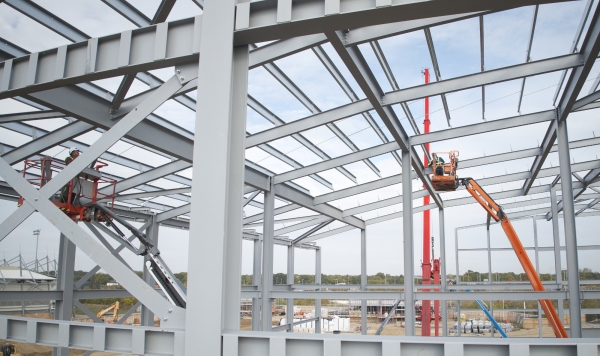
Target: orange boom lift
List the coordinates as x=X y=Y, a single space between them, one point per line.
x=498 y=214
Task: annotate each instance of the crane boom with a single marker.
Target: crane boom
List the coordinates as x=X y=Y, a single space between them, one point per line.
x=496 y=212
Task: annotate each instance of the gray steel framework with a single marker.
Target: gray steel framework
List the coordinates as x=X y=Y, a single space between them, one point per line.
x=55 y=83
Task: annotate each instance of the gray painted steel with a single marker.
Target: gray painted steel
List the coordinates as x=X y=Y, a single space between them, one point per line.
x=46 y=80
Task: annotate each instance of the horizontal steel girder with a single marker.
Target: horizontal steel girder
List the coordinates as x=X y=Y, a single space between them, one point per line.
x=164 y=45
x=418 y=92
x=263 y=21
x=93 y=337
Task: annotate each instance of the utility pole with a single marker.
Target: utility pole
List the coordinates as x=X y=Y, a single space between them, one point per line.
x=37 y=234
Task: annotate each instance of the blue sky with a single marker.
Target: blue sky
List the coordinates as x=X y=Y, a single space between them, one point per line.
x=458 y=51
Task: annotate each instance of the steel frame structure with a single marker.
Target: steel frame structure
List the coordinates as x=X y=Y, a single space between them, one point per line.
x=219 y=47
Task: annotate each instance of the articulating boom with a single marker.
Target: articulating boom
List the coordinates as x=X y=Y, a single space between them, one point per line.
x=498 y=214
x=163 y=276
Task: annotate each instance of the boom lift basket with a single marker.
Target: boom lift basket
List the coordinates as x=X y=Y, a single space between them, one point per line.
x=444 y=178
x=76 y=196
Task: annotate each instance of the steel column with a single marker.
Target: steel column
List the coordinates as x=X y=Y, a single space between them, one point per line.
x=557 y=249
x=290 y=280
x=216 y=226
x=318 y=281
x=457 y=280
x=407 y=229
x=267 y=275
x=564 y=157
x=65 y=282
x=147 y=317
x=443 y=272
x=256 y=281
x=537 y=268
x=363 y=279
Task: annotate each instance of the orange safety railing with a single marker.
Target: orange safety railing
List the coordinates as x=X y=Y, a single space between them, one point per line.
x=498 y=214
x=38 y=172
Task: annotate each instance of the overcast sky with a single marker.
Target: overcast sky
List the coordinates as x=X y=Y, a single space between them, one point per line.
x=458 y=50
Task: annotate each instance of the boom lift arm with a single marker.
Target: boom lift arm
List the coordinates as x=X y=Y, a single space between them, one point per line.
x=174 y=290
x=496 y=212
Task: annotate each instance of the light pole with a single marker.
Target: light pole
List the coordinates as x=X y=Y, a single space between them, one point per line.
x=37 y=234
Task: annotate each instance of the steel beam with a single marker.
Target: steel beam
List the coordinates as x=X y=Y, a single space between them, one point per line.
x=302 y=225
x=361 y=72
x=164 y=8
x=436 y=71
x=590 y=177
x=573 y=49
x=129 y=12
x=304 y=100
x=47 y=19
x=153 y=194
x=589 y=52
x=259 y=22
x=122 y=92
x=92 y=337
x=484 y=127
x=49 y=140
x=292 y=162
x=267 y=114
x=339 y=78
x=339 y=161
x=100 y=58
x=312 y=231
x=418 y=92
x=288 y=193
x=154 y=174
x=29 y=116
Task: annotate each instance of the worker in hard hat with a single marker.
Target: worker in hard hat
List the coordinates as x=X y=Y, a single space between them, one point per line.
x=73 y=153
x=439 y=162
x=64 y=194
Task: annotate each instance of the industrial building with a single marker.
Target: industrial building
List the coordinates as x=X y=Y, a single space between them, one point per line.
x=257 y=126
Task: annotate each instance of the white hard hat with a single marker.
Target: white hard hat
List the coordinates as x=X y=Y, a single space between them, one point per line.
x=73 y=149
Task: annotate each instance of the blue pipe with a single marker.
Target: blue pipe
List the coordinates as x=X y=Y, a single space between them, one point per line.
x=489 y=315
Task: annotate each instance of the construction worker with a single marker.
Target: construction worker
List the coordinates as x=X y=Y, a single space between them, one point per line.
x=64 y=194
x=73 y=153
x=439 y=162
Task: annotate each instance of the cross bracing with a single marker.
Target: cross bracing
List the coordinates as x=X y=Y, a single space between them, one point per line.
x=55 y=84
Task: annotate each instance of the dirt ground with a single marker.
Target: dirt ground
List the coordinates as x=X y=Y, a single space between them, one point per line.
x=38 y=350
